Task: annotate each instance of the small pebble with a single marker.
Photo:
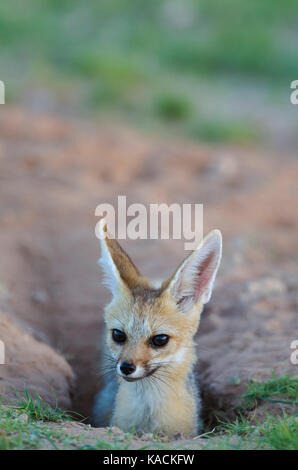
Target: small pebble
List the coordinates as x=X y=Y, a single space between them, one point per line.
x=23 y=417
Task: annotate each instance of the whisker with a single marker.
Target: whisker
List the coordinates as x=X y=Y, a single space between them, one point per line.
x=105 y=372
x=157 y=380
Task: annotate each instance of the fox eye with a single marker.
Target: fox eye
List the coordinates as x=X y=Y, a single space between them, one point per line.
x=118 y=336
x=159 y=341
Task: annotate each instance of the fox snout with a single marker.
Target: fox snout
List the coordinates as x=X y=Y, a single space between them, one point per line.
x=127 y=368
x=136 y=359
x=130 y=372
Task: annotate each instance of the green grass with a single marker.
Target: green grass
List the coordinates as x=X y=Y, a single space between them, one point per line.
x=39 y=410
x=283 y=389
x=27 y=425
x=279 y=433
x=271 y=432
x=17 y=433
x=154 y=63
x=171 y=107
x=225 y=130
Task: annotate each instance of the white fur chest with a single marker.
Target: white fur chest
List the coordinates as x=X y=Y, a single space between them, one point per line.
x=139 y=406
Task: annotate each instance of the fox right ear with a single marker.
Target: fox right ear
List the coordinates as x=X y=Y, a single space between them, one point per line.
x=119 y=270
x=193 y=281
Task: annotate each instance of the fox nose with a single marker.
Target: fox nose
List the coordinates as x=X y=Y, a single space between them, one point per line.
x=127 y=369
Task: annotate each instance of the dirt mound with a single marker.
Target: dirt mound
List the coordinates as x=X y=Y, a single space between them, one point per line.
x=33 y=365
x=53 y=174
x=246 y=334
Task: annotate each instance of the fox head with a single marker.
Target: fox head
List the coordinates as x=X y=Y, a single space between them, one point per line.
x=148 y=328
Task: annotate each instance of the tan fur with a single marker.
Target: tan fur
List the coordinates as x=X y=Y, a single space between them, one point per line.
x=166 y=401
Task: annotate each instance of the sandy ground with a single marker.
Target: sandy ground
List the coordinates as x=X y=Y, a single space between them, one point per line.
x=54 y=172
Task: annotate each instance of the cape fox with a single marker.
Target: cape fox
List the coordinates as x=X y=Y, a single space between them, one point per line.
x=149 y=354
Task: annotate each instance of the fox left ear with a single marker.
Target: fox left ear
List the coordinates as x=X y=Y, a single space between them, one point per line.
x=119 y=270
x=194 y=279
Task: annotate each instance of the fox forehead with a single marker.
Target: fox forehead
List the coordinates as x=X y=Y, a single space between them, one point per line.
x=144 y=313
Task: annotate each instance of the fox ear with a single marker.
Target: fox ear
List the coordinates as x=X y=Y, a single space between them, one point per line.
x=193 y=281
x=117 y=266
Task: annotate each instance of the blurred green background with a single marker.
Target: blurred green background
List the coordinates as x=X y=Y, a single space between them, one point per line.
x=209 y=70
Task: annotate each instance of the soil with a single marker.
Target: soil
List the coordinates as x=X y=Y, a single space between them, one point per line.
x=53 y=174
x=33 y=365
